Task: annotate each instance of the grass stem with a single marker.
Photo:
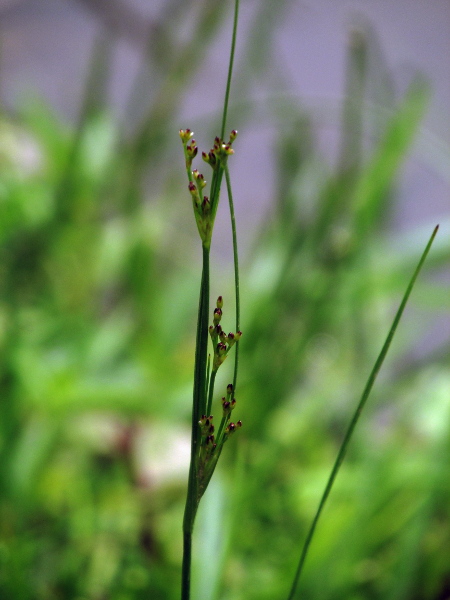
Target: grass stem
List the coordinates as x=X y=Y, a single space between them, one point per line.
x=230 y=69
x=236 y=271
x=199 y=405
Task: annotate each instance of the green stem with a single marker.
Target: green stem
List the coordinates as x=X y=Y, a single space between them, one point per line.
x=357 y=414
x=198 y=407
x=210 y=393
x=236 y=272
x=230 y=68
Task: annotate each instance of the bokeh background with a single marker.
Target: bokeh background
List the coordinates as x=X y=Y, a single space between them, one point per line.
x=340 y=174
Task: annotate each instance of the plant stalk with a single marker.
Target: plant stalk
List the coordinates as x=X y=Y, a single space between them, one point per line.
x=198 y=407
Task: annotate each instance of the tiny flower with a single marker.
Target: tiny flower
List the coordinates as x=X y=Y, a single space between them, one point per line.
x=233 y=136
x=217 y=317
x=227 y=149
x=219 y=302
x=206 y=205
x=192 y=187
x=230 y=339
x=220 y=355
x=221 y=349
x=210 y=159
x=199 y=178
x=185 y=135
x=194 y=193
x=226 y=409
x=192 y=149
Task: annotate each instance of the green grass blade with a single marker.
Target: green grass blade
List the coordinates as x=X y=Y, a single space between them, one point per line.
x=364 y=397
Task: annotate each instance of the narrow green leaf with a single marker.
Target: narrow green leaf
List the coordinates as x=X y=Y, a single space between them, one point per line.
x=364 y=397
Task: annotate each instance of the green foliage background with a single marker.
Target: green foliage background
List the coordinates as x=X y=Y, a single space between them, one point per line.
x=99 y=277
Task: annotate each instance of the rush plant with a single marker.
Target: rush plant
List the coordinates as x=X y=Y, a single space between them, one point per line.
x=209 y=433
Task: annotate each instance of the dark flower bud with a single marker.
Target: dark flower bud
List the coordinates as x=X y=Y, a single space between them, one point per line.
x=206 y=205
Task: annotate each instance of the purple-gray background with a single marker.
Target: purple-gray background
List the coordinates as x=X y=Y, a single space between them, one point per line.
x=46 y=46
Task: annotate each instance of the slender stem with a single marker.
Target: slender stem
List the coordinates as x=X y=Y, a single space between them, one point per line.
x=357 y=413
x=211 y=392
x=198 y=406
x=230 y=68
x=236 y=272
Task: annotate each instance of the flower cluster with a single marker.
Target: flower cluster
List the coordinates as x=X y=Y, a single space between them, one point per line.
x=222 y=343
x=211 y=441
x=205 y=207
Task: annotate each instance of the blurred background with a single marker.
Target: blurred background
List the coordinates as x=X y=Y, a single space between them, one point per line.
x=340 y=174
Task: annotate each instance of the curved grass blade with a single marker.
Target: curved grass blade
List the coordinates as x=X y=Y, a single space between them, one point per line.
x=365 y=395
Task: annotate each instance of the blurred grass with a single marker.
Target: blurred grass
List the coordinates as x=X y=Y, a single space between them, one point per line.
x=98 y=293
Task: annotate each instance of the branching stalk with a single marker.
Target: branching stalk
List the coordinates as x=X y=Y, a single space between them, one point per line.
x=203 y=448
